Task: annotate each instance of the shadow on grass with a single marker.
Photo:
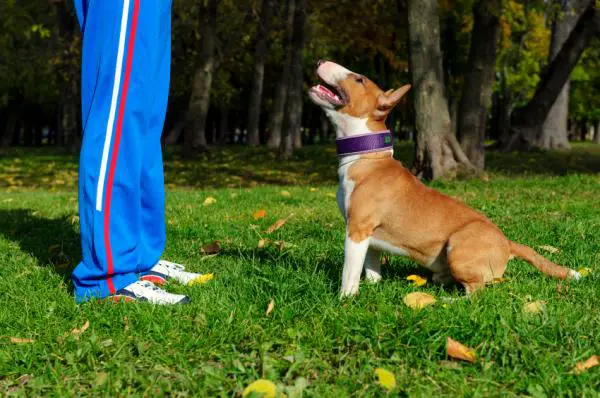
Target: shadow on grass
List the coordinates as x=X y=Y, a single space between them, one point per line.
x=53 y=242
x=241 y=166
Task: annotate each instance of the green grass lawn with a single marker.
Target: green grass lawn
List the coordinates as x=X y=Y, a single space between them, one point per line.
x=224 y=340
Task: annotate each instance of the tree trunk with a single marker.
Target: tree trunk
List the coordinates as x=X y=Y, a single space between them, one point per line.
x=527 y=120
x=260 y=57
x=293 y=111
x=597 y=132
x=477 y=87
x=554 y=134
x=281 y=91
x=195 y=129
x=437 y=153
x=583 y=130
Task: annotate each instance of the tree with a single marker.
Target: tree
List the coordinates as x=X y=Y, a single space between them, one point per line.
x=437 y=153
x=527 y=120
x=195 y=128
x=477 y=88
x=554 y=134
x=260 y=55
x=282 y=88
x=293 y=109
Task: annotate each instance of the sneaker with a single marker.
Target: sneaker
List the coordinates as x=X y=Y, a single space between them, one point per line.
x=166 y=270
x=148 y=291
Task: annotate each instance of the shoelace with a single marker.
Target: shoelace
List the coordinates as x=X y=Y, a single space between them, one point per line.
x=173 y=266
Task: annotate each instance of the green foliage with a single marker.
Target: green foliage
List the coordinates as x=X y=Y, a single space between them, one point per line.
x=584 y=104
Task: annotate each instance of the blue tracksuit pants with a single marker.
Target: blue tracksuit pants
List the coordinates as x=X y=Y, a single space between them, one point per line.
x=125 y=84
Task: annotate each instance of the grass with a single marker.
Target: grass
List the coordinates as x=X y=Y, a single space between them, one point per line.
x=224 y=340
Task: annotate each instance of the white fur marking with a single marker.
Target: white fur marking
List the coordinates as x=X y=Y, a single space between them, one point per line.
x=354 y=259
x=372 y=267
x=386 y=247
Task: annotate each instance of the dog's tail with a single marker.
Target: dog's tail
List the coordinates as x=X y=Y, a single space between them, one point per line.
x=541 y=263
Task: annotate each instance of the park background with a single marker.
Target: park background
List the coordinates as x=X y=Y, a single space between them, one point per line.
x=503 y=115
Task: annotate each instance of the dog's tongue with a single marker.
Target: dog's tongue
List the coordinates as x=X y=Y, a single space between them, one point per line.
x=327 y=92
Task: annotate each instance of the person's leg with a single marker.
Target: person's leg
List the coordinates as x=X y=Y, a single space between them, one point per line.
x=118 y=84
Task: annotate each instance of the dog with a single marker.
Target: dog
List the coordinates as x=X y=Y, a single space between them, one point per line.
x=387 y=209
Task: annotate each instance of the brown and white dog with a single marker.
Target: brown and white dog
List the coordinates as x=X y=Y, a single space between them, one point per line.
x=387 y=209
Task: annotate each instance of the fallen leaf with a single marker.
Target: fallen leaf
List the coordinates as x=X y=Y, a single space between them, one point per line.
x=535 y=307
x=331 y=195
x=101 y=378
x=270 y=307
x=264 y=388
x=209 y=201
x=211 y=248
x=278 y=224
x=85 y=327
x=549 y=249
x=285 y=194
x=385 y=378
x=262 y=243
x=496 y=281
x=281 y=245
x=126 y=322
x=592 y=361
x=74 y=220
x=7 y=200
x=201 y=279
x=585 y=271
x=418 y=300
x=19 y=340
x=259 y=214
x=419 y=281
x=562 y=289
x=313 y=189
x=456 y=350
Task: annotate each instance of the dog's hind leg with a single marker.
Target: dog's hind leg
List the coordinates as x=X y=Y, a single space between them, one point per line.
x=372 y=266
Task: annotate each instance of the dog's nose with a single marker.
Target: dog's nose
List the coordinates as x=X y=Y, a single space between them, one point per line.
x=320 y=62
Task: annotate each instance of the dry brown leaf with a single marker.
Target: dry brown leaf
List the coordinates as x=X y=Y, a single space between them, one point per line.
x=19 y=340
x=549 y=249
x=85 y=327
x=592 y=361
x=278 y=224
x=259 y=214
x=418 y=300
x=456 y=350
x=211 y=248
x=270 y=307
x=535 y=307
x=262 y=243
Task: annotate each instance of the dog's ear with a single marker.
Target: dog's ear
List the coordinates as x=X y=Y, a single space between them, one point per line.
x=390 y=98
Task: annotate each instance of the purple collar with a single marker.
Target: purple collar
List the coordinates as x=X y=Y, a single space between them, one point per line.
x=364 y=143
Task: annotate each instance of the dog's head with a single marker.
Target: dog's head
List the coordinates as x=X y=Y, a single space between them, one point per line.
x=353 y=103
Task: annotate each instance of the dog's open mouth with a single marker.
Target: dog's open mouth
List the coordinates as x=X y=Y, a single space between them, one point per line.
x=329 y=93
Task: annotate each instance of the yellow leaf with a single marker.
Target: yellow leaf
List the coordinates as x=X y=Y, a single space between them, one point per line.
x=262 y=243
x=18 y=340
x=201 y=279
x=264 y=388
x=418 y=300
x=313 y=189
x=385 y=378
x=585 y=271
x=209 y=201
x=456 y=350
x=285 y=194
x=85 y=327
x=535 y=307
x=270 y=307
x=417 y=280
x=549 y=249
x=331 y=195
x=259 y=214
x=592 y=361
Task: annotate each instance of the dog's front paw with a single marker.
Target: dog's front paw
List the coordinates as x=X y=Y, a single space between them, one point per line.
x=345 y=294
x=574 y=275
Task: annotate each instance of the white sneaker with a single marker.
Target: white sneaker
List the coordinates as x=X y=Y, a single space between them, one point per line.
x=165 y=270
x=148 y=291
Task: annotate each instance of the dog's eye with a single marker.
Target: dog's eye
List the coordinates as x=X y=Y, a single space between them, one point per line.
x=359 y=79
